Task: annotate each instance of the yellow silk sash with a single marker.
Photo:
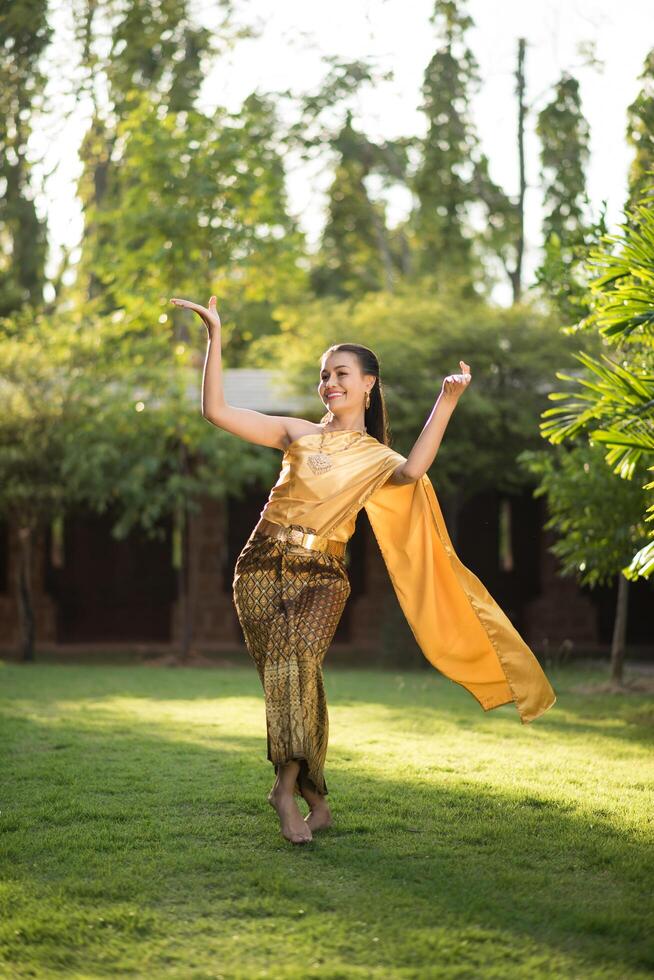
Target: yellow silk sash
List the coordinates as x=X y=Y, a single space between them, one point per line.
x=458 y=625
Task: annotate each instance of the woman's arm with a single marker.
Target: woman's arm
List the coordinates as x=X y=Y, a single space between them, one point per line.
x=264 y=430
x=426 y=445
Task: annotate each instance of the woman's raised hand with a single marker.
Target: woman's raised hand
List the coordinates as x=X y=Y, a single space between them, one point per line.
x=208 y=314
x=455 y=384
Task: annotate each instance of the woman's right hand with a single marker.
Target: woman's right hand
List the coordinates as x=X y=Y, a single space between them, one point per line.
x=209 y=315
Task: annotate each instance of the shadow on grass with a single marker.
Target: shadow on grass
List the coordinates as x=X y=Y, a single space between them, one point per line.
x=90 y=817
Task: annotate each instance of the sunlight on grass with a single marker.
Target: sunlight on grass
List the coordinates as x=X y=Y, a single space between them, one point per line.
x=198 y=719
x=138 y=839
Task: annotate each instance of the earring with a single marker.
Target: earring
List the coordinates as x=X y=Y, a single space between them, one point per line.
x=367 y=399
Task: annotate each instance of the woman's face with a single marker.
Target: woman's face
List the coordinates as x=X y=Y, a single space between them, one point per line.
x=342 y=385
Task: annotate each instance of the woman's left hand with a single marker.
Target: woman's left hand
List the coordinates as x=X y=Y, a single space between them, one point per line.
x=455 y=384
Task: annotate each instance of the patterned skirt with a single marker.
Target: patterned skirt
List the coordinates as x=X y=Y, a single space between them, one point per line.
x=289 y=600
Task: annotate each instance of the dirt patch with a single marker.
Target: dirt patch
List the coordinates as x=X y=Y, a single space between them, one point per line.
x=631 y=685
x=193 y=660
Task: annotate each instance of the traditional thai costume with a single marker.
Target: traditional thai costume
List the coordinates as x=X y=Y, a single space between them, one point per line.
x=291 y=585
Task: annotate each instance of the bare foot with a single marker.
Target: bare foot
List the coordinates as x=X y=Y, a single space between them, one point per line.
x=293 y=827
x=319 y=815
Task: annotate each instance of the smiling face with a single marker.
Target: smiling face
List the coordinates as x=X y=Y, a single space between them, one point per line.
x=342 y=385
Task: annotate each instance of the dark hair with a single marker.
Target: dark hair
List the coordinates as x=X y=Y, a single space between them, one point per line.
x=375 y=417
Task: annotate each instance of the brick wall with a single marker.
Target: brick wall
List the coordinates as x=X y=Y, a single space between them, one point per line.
x=561 y=612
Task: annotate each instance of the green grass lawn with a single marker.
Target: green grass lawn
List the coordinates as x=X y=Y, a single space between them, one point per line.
x=137 y=839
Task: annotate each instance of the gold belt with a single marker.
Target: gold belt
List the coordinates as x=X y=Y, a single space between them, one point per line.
x=295 y=535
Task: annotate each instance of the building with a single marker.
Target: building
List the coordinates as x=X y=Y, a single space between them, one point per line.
x=93 y=592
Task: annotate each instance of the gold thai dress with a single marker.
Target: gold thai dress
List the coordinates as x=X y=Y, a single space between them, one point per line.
x=289 y=596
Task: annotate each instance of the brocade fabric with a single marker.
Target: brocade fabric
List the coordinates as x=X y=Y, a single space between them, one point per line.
x=289 y=600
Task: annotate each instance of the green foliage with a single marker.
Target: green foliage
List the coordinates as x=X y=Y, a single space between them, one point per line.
x=613 y=393
x=35 y=388
x=24 y=35
x=177 y=201
x=174 y=197
x=156 y=48
x=88 y=423
x=357 y=251
x=563 y=273
x=196 y=200
x=354 y=256
x=597 y=515
x=640 y=136
x=565 y=137
x=568 y=230
x=615 y=405
x=624 y=284
x=419 y=336
x=440 y=224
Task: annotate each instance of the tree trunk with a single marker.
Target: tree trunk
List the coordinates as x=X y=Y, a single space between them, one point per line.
x=25 y=599
x=184 y=571
x=619 y=631
x=187 y=618
x=516 y=277
x=382 y=244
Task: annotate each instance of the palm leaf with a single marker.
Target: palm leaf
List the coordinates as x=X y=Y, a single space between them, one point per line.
x=642 y=564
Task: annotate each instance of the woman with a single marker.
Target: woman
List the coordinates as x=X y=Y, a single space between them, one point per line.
x=290 y=580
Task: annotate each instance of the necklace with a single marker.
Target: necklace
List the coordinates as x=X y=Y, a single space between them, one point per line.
x=320 y=461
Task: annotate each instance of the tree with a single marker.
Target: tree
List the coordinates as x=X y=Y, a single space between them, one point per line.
x=612 y=402
x=357 y=251
x=162 y=179
x=32 y=440
x=24 y=35
x=155 y=51
x=419 y=335
x=172 y=198
x=90 y=422
x=197 y=199
x=599 y=520
x=567 y=229
x=640 y=136
x=504 y=233
x=443 y=183
x=354 y=255
x=564 y=135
